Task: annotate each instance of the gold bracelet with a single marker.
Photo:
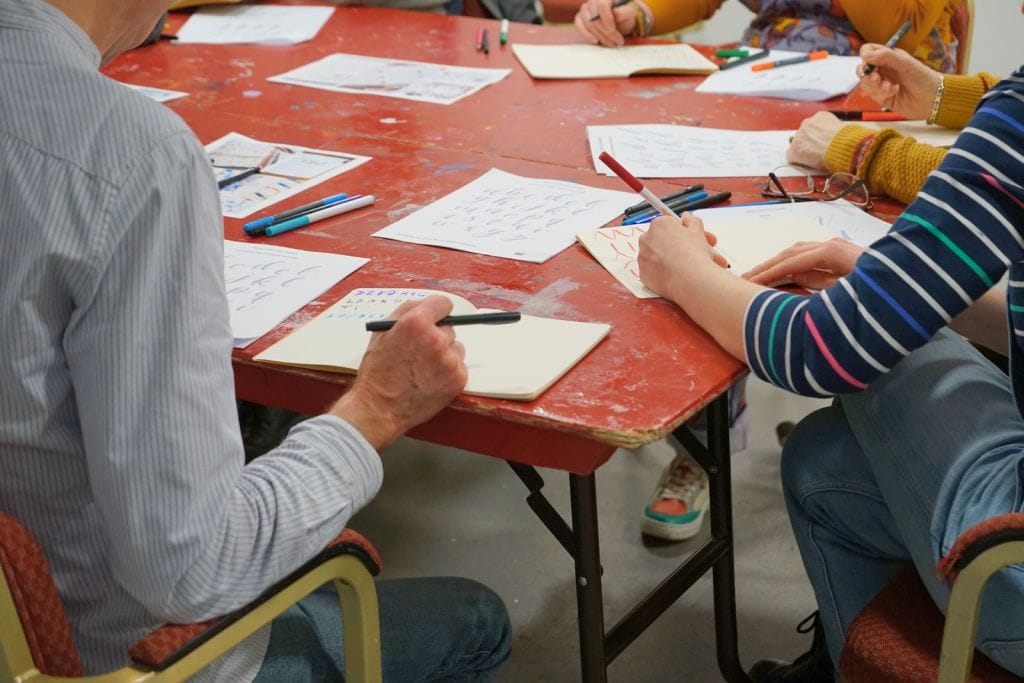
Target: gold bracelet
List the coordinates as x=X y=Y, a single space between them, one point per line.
x=937 y=102
x=641 y=19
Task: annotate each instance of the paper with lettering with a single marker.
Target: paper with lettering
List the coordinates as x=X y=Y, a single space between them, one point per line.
x=266 y=284
x=747 y=235
x=592 y=61
x=517 y=361
x=264 y=24
x=810 y=81
x=669 y=151
x=407 y=80
x=500 y=214
x=285 y=170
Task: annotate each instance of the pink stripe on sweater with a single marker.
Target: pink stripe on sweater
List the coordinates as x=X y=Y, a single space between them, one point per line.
x=843 y=374
x=995 y=183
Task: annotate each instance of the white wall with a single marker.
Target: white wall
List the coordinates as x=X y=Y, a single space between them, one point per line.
x=997 y=45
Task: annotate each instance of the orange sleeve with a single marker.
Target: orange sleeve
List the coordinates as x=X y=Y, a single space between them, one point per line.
x=672 y=15
x=876 y=24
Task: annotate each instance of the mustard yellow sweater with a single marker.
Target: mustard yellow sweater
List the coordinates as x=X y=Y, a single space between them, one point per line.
x=895 y=164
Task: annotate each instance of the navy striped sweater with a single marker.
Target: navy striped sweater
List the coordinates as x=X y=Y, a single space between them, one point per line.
x=951 y=245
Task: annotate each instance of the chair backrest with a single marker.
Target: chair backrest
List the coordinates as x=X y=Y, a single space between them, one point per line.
x=960 y=25
x=35 y=628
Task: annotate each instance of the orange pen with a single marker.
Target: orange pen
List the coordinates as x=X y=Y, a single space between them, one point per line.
x=764 y=66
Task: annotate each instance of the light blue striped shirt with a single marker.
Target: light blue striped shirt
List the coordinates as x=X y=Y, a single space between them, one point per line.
x=119 y=439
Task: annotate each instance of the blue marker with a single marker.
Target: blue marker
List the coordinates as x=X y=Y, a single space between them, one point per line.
x=651 y=214
x=258 y=225
x=351 y=204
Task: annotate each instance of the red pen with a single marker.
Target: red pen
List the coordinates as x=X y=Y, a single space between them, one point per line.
x=480 y=38
x=869 y=116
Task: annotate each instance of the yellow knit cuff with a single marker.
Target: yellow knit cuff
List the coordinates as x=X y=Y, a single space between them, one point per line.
x=839 y=155
x=960 y=97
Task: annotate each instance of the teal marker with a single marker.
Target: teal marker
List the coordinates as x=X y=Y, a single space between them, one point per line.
x=351 y=204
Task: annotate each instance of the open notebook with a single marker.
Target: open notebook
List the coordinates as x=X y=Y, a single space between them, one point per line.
x=592 y=61
x=517 y=361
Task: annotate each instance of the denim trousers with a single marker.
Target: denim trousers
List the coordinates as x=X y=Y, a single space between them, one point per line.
x=892 y=476
x=432 y=629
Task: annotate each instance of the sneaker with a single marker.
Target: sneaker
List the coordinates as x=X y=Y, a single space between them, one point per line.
x=813 y=666
x=680 y=501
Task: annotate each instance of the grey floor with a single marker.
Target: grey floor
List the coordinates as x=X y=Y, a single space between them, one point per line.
x=446 y=512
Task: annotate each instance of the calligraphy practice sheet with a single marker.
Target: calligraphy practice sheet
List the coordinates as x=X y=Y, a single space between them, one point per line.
x=810 y=81
x=156 y=94
x=266 y=284
x=420 y=81
x=747 y=235
x=669 y=151
x=517 y=361
x=500 y=214
x=285 y=170
x=264 y=24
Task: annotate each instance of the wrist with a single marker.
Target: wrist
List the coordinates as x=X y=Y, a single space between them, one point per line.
x=369 y=416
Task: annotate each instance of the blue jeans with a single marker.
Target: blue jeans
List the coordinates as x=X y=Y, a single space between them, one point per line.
x=432 y=629
x=893 y=475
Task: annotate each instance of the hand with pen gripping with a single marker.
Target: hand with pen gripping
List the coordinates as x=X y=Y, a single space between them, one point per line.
x=898 y=82
x=408 y=374
x=608 y=22
x=672 y=245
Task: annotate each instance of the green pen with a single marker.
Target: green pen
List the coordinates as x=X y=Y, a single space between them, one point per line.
x=503 y=36
x=731 y=53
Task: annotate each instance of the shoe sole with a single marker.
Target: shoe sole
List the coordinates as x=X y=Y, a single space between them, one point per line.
x=673 y=532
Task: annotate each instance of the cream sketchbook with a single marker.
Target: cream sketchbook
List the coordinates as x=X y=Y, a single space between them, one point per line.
x=592 y=61
x=517 y=361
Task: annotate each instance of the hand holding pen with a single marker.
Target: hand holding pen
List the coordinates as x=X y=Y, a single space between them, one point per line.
x=605 y=22
x=901 y=83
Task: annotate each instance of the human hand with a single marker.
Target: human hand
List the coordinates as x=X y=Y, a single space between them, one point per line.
x=899 y=82
x=808 y=146
x=670 y=247
x=408 y=373
x=611 y=26
x=814 y=265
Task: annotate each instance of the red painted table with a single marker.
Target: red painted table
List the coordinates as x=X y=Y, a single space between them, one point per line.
x=656 y=368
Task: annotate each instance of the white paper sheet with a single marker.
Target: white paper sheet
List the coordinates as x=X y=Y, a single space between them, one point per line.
x=156 y=94
x=500 y=214
x=420 y=81
x=592 y=61
x=266 y=284
x=815 y=81
x=264 y=24
x=748 y=235
x=517 y=361
x=670 y=151
x=838 y=218
x=286 y=170
x=919 y=130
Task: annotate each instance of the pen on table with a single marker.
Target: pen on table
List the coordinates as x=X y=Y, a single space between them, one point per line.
x=847 y=115
x=503 y=35
x=231 y=179
x=258 y=225
x=617 y=3
x=813 y=56
x=499 y=318
x=639 y=188
x=644 y=206
x=703 y=203
x=351 y=204
x=485 y=44
x=753 y=57
x=900 y=32
x=480 y=38
x=651 y=214
x=724 y=54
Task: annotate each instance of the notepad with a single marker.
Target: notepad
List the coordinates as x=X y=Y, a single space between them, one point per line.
x=517 y=361
x=592 y=61
x=811 y=81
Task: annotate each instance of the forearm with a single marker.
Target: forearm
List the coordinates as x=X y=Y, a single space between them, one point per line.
x=985 y=323
x=717 y=300
x=672 y=15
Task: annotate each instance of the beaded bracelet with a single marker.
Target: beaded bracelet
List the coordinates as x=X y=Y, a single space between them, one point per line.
x=937 y=102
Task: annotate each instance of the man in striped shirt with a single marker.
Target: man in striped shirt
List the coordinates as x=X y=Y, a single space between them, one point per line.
x=119 y=442
x=926 y=438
